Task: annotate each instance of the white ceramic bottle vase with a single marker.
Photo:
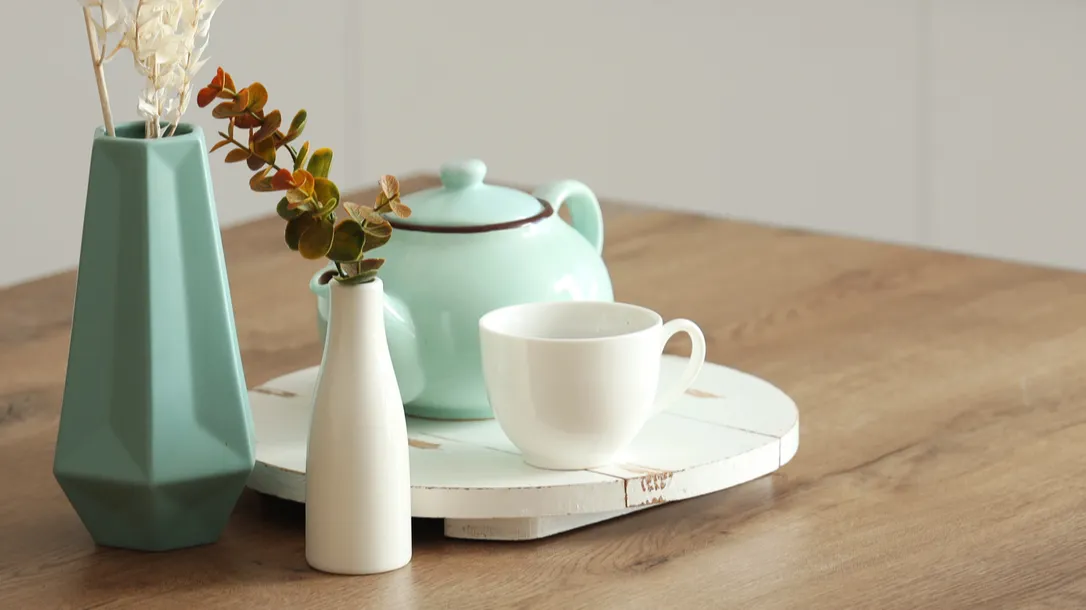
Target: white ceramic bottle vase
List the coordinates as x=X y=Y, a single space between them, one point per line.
x=358 y=481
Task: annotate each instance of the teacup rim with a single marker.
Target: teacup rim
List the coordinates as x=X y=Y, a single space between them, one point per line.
x=486 y=320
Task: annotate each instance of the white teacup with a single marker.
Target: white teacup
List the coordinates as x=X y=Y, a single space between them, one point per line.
x=571 y=383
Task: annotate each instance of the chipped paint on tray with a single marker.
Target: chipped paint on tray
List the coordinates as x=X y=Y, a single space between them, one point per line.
x=275 y=392
x=702 y=393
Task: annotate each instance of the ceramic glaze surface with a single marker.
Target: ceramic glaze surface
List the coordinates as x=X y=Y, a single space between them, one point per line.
x=155 y=441
x=465 y=200
x=572 y=383
x=358 y=518
x=439 y=284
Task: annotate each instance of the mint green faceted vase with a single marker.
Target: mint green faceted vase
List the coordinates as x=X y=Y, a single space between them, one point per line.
x=155 y=443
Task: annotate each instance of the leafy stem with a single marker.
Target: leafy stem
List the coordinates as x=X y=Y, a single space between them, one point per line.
x=310 y=198
x=231 y=140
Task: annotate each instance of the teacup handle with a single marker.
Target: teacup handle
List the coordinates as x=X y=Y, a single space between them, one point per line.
x=666 y=396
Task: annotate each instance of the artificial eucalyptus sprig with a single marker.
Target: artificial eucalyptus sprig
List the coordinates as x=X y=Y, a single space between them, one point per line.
x=311 y=198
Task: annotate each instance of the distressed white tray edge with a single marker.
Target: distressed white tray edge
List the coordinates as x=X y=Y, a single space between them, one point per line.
x=613 y=492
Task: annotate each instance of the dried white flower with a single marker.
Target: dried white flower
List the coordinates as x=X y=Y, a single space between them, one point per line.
x=167 y=39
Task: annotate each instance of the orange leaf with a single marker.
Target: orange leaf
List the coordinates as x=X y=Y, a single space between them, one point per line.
x=205 y=96
x=226 y=110
x=242 y=101
x=283 y=180
x=304 y=181
x=219 y=79
x=248 y=121
x=237 y=155
x=371 y=264
x=228 y=82
x=260 y=182
x=399 y=209
x=390 y=186
x=271 y=123
x=258 y=96
x=219 y=145
x=265 y=149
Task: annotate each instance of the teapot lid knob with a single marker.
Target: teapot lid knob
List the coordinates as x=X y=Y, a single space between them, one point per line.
x=463 y=174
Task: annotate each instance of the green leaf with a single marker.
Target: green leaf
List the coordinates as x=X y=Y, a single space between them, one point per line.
x=325 y=189
x=286 y=212
x=270 y=125
x=320 y=163
x=297 y=125
x=296 y=227
x=378 y=229
x=327 y=207
x=375 y=241
x=316 y=240
x=302 y=154
x=347 y=241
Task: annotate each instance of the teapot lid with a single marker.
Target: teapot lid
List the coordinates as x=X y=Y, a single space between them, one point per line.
x=463 y=203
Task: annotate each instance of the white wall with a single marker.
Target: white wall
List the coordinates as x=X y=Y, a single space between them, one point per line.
x=957 y=124
x=50 y=111
x=1007 y=151
x=792 y=111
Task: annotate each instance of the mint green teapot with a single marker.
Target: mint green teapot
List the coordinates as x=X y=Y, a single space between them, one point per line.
x=468 y=248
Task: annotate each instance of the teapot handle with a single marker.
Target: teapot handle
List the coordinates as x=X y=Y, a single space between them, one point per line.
x=583 y=205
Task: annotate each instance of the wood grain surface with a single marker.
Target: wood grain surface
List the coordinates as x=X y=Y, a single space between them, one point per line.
x=942 y=460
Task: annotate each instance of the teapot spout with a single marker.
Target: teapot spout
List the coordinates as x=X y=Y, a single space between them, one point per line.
x=400 y=333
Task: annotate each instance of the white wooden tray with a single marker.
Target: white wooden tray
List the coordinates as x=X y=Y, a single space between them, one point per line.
x=730 y=428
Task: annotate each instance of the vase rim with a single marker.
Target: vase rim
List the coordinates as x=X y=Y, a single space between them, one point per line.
x=186 y=132
x=373 y=284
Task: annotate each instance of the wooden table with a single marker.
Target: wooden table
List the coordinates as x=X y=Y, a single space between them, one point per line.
x=942 y=462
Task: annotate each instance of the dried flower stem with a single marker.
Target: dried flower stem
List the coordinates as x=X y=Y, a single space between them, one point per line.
x=99 y=71
x=152 y=124
x=183 y=95
x=173 y=127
